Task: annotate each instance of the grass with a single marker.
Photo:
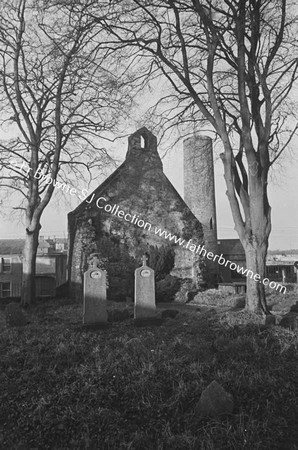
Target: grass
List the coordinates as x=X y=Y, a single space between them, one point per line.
x=127 y=387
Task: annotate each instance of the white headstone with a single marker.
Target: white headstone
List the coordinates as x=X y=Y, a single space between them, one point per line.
x=95 y=296
x=144 y=292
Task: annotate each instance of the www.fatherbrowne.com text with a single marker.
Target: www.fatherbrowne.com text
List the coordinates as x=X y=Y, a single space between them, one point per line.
x=135 y=219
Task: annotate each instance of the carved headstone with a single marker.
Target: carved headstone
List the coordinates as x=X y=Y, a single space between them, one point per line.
x=95 y=296
x=144 y=292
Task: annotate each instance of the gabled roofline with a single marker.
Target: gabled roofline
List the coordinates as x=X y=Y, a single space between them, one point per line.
x=114 y=175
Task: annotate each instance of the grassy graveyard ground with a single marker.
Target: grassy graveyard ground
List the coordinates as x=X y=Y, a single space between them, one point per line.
x=128 y=387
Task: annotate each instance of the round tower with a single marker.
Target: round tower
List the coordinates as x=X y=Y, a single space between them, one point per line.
x=199 y=190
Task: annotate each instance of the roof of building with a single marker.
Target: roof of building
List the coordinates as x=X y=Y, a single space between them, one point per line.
x=234 y=247
x=279 y=263
x=43 y=244
x=230 y=246
x=281 y=260
x=16 y=246
x=11 y=246
x=101 y=187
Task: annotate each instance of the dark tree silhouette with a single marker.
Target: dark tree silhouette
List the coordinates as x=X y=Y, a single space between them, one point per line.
x=59 y=93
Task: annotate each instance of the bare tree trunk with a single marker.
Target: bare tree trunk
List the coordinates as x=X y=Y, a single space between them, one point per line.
x=254 y=229
x=29 y=266
x=255 y=293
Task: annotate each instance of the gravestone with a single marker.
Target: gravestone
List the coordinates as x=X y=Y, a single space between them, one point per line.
x=95 y=295
x=290 y=320
x=144 y=292
x=14 y=315
x=215 y=401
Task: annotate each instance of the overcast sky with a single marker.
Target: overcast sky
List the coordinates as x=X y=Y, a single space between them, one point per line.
x=283 y=196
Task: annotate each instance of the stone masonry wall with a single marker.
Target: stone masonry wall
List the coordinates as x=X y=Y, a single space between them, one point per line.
x=139 y=188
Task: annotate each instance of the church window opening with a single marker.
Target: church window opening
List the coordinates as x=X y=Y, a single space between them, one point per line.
x=142 y=142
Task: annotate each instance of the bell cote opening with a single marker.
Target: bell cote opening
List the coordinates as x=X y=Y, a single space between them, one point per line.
x=142 y=142
x=142 y=148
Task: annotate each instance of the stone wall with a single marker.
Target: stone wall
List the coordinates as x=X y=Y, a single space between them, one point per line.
x=141 y=190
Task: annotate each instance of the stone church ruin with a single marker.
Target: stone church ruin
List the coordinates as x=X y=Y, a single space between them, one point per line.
x=117 y=222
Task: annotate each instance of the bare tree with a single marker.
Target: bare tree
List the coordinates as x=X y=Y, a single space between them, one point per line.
x=59 y=93
x=232 y=64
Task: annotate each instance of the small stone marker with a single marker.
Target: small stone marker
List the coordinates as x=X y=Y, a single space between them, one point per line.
x=14 y=315
x=270 y=320
x=95 y=295
x=144 y=292
x=215 y=401
x=290 y=320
